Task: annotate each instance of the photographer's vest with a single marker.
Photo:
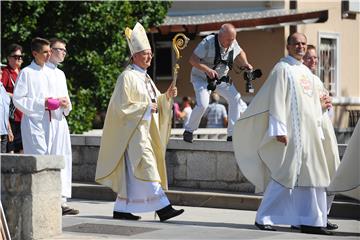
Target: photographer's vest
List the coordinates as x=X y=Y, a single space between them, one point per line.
x=218 y=60
x=212 y=58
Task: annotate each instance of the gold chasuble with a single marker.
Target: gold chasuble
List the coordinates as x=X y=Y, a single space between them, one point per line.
x=126 y=130
x=289 y=95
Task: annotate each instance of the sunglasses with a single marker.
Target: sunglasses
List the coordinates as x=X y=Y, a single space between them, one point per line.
x=17 y=57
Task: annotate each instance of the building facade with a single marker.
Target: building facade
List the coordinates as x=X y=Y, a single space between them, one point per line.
x=262 y=28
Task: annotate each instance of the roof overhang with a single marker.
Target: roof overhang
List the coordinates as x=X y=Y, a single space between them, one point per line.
x=251 y=20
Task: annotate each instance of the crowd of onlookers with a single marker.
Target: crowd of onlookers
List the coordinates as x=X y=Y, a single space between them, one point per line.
x=215 y=115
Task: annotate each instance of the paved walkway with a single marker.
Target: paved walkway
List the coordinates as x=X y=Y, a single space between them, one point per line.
x=95 y=222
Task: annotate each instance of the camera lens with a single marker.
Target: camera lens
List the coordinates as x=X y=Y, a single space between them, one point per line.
x=211 y=85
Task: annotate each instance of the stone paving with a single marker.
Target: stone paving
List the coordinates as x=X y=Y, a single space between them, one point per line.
x=95 y=222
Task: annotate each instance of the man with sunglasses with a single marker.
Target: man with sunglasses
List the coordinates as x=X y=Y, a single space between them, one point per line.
x=9 y=76
x=60 y=135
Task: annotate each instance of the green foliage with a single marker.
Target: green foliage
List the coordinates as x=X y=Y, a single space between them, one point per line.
x=84 y=111
x=94 y=32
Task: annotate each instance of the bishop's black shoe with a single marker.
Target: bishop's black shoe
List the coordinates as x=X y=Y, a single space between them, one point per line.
x=229 y=139
x=188 y=136
x=125 y=216
x=314 y=230
x=331 y=226
x=168 y=212
x=265 y=227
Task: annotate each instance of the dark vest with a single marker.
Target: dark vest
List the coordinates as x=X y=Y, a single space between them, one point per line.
x=230 y=60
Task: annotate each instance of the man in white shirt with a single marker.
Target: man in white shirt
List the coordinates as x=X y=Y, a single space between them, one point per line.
x=186 y=112
x=212 y=59
x=60 y=135
x=216 y=114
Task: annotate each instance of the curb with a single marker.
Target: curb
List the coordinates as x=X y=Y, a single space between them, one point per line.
x=342 y=207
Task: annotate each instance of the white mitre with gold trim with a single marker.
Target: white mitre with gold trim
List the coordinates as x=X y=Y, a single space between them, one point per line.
x=137 y=39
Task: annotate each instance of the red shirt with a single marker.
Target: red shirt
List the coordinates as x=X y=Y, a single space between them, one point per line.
x=7 y=75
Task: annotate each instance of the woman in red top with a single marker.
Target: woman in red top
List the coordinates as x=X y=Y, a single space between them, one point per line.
x=9 y=76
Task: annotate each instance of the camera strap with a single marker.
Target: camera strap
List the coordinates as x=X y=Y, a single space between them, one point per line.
x=230 y=60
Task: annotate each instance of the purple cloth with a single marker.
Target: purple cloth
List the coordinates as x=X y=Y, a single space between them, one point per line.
x=53 y=104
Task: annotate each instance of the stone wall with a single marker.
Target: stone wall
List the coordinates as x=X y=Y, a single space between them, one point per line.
x=31 y=195
x=205 y=164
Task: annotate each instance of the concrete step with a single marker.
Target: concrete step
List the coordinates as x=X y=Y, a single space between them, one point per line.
x=342 y=207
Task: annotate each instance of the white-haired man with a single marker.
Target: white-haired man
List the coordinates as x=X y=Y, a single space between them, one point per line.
x=137 y=127
x=212 y=59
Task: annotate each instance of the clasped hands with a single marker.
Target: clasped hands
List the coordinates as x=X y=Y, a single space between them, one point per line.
x=326 y=102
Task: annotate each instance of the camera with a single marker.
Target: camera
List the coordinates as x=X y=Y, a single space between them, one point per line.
x=249 y=76
x=212 y=83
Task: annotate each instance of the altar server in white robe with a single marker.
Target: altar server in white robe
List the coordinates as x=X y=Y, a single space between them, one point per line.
x=136 y=131
x=31 y=96
x=278 y=144
x=60 y=135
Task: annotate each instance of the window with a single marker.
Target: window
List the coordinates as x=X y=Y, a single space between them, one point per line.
x=163 y=61
x=328 y=62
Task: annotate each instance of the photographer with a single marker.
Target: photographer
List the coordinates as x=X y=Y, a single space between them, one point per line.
x=212 y=59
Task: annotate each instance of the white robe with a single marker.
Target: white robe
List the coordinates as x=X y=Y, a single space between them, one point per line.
x=60 y=135
x=44 y=132
x=31 y=89
x=142 y=196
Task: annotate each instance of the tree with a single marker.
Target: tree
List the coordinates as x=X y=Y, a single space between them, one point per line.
x=97 y=48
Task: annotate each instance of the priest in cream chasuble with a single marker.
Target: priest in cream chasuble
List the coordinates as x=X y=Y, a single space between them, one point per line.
x=278 y=144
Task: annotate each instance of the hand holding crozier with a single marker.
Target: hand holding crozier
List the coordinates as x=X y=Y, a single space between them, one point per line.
x=171 y=91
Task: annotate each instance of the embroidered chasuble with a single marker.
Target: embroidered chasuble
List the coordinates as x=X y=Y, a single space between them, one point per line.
x=288 y=95
x=126 y=130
